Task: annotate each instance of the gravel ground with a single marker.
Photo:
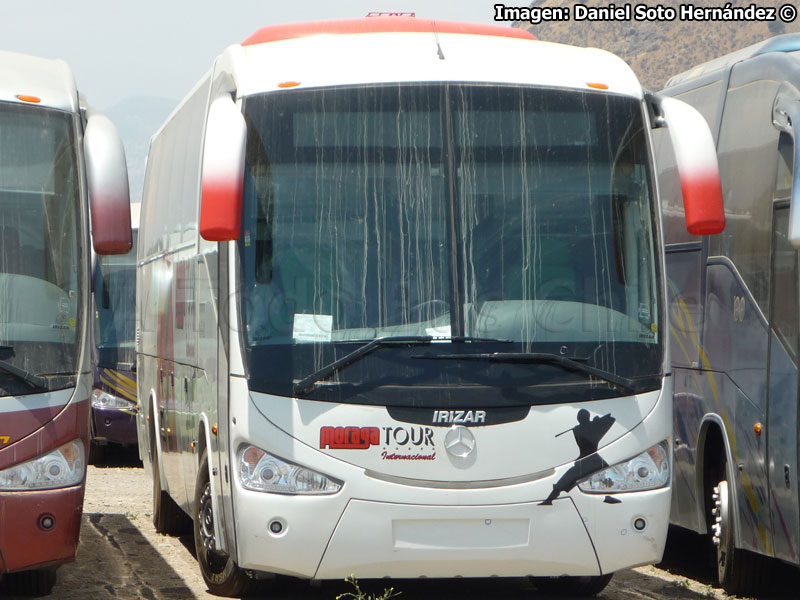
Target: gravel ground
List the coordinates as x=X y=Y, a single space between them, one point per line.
x=122 y=558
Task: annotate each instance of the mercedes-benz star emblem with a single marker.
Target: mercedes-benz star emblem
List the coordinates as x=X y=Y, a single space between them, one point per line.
x=459 y=442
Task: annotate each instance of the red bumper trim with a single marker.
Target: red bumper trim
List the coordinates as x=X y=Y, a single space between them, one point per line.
x=24 y=544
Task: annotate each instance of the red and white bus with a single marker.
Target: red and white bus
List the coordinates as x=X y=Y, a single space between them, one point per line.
x=401 y=306
x=55 y=157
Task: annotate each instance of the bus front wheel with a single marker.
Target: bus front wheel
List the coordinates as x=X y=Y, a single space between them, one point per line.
x=221 y=574
x=739 y=572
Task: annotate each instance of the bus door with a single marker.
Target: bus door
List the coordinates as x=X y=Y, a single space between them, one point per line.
x=782 y=411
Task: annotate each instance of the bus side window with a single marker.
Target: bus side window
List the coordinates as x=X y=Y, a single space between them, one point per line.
x=746 y=152
x=784 y=176
x=784 y=318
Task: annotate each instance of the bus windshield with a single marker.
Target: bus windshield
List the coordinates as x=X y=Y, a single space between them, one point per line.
x=115 y=309
x=40 y=275
x=488 y=218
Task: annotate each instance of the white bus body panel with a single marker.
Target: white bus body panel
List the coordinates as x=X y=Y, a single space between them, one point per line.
x=429 y=524
x=417 y=452
x=51 y=81
x=322 y=61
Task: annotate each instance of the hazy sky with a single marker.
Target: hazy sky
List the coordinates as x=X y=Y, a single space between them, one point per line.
x=122 y=48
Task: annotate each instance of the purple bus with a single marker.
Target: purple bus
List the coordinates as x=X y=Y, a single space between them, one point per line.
x=114 y=394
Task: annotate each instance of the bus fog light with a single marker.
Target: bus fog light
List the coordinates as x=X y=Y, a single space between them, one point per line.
x=102 y=399
x=262 y=472
x=62 y=467
x=639 y=524
x=648 y=471
x=46 y=522
x=276 y=527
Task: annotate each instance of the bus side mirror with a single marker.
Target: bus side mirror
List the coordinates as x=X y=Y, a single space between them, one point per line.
x=223 y=172
x=107 y=180
x=698 y=169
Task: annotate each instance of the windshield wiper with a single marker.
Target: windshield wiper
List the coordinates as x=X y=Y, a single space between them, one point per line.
x=30 y=379
x=305 y=385
x=570 y=364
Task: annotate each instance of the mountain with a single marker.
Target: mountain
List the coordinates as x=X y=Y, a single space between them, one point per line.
x=658 y=50
x=137 y=119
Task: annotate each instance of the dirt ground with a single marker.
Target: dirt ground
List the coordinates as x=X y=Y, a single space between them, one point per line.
x=122 y=558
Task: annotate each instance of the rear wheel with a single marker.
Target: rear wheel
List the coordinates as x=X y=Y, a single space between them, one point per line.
x=221 y=574
x=739 y=572
x=38 y=582
x=572 y=586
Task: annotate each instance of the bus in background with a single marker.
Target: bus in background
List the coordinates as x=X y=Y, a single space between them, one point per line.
x=114 y=394
x=56 y=157
x=733 y=306
x=401 y=307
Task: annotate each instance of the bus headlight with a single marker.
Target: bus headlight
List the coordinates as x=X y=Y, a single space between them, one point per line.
x=262 y=472
x=102 y=399
x=62 y=467
x=648 y=471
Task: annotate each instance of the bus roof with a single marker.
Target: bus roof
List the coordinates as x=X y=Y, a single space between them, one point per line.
x=789 y=42
x=273 y=33
x=38 y=81
x=404 y=50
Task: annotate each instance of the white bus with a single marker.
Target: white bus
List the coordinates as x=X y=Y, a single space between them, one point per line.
x=56 y=159
x=400 y=307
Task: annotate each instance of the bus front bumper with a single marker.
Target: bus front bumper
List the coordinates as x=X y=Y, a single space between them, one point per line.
x=113 y=425
x=39 y=528
x=332 y=538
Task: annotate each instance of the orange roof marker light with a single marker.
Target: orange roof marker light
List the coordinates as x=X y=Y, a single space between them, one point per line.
x=275 y=33
x=27 y=98
x=597 y=86
x=288 y=84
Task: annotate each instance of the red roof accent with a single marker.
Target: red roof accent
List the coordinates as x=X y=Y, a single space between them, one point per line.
x=274 y=33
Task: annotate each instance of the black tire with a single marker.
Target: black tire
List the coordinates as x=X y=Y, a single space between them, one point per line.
x=572 y=586
x=739 y=572
x=38 y=582
x=220 y=572
x=96 y=453
x=168 y=518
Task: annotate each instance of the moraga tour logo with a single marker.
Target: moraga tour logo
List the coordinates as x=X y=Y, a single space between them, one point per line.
x=349 y=438
x=399 y=443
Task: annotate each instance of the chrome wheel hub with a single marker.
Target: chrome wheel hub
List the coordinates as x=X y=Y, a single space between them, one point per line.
x=205 y=514
x=720 y=528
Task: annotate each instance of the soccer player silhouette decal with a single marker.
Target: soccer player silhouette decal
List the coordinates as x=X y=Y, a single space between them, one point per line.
x=588 y=433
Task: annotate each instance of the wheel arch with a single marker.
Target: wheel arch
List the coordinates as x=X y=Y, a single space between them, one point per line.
x=713 y=444
x=205 y=445
x=154 y=433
